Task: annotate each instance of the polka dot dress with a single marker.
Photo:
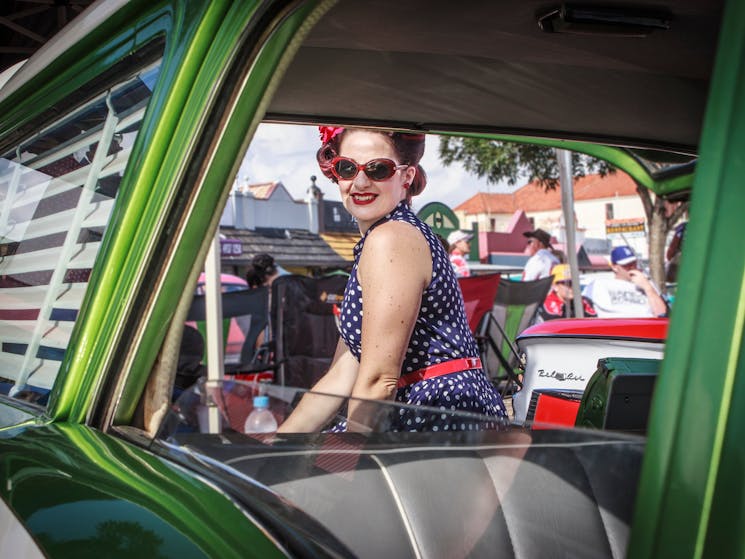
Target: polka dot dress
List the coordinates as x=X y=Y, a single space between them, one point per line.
x=441 y=334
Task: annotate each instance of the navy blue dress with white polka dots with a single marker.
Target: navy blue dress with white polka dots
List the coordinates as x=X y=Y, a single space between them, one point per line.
x=441 y=334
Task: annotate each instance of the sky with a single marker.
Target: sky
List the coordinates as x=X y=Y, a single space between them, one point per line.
x=286 y=153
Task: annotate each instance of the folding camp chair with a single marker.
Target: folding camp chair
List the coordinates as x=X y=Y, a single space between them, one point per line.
x=515 y=306
x=304 y=326
x=479 y=293
x=479 y=296
x=245 y=315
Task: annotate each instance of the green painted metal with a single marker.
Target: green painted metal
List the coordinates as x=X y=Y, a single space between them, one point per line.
x=188 y=29
x=241 y=120
x=78 y=491
x=690 y=501
x=594 y=406
x=96 y=51
x=140 y=209
x=201 y=42
x=154 y=188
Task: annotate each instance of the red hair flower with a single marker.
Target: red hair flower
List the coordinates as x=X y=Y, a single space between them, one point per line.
x=328 y=133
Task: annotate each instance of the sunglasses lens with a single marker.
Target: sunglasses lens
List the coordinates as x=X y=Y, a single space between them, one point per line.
x=345 y=169
x=380 y=169
x=376 y=169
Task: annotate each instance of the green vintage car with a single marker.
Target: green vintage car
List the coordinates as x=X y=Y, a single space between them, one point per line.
x=120 y=140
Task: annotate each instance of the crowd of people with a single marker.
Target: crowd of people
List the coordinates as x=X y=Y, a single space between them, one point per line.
x=628 y=293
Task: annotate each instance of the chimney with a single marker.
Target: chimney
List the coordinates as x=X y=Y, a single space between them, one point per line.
x=315 y=207
x=245 y=209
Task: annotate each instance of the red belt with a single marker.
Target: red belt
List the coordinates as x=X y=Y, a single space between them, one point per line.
x=439 y=369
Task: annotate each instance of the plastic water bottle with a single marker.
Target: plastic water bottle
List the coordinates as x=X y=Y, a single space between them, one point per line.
x=260 y=420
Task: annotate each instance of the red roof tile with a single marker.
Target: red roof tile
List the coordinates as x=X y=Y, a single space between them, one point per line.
x=533 y=198
x=483 y=202
x=262 y=191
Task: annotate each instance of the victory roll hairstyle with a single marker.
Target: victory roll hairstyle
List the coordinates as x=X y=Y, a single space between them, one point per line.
x=409 y=149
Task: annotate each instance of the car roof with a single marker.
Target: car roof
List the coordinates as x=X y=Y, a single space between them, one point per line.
x=493 y=69
x=72 y=33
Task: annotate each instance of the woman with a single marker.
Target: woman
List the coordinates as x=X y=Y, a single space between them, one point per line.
x=412 y=344
x=459 y=243
x=262 y=271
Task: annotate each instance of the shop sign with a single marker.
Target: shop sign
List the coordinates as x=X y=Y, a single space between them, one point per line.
x=625 y=228
x=231 y=247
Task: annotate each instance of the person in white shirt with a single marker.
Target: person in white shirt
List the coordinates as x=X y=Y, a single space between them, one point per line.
x=629 y=293
x=542 y=258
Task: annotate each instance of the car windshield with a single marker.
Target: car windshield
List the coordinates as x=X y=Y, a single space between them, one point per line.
x=465 y=486
x=219 y=407
x=402 y=457
x=459 y=482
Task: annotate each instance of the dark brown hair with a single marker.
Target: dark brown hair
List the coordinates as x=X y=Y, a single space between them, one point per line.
x=261 y=268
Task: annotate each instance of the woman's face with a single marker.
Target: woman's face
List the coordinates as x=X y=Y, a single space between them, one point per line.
x=532 y=246
x=366 y=199
x=463 y=246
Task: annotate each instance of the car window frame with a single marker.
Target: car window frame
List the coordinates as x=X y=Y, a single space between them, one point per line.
x=699 y=453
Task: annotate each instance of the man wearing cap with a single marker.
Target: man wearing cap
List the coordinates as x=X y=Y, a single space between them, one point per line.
x=460 y=246
x=558 y=303
x=629 y=293
x=542 y=258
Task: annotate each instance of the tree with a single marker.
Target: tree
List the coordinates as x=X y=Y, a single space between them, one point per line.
x=508 y=161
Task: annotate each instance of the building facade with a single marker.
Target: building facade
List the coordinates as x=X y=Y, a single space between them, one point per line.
x=265 y=218
x=606 y=208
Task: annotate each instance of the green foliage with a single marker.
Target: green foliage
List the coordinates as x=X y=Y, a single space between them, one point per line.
x=512 y=162
x=112 y=539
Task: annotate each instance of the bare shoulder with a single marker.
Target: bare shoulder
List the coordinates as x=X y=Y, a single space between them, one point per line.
x=396 y=235
x=398 y=249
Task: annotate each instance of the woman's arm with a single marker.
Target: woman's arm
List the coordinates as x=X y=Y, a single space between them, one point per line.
x=395 y=268
x=316 y=410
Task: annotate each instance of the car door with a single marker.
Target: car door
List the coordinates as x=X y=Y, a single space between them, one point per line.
x=691 y=488
x=103 y=137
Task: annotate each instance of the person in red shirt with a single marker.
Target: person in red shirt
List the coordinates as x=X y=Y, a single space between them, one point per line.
x=558 y=303
x=460 y=247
